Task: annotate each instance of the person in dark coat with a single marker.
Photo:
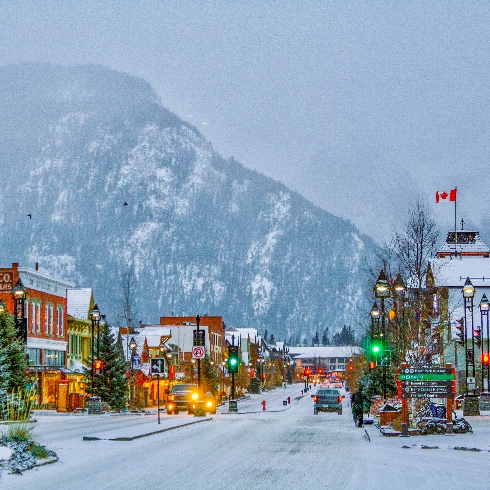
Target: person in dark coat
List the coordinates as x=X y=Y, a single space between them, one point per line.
x=358 y=399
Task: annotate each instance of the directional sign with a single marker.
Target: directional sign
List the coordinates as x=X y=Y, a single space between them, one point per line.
x=426 y=382
x=157 y=366
x=198 y=352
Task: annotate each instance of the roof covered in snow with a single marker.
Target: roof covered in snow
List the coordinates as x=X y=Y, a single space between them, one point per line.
x=453 y=272
x=79 y=302
x=463 y=242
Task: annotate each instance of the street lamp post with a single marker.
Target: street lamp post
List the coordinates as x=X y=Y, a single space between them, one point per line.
x=381 y=291
x=132 y=346
x=468 y=296
x=19 y=294
x=94 y=316
x=101 y=322
x=162 y=348
x=198 y=320
x=223 y=364
x=399 y=290
x=485 y=365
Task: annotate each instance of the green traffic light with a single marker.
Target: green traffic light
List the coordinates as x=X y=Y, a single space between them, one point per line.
x=233 y=361
x=375 y=349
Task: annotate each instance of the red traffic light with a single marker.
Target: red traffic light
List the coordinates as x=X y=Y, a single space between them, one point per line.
x=372 y=365
x=320 y=371
x=485 y=358
x=98 y=365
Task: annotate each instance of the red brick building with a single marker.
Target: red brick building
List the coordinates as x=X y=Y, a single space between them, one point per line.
x=46 y=315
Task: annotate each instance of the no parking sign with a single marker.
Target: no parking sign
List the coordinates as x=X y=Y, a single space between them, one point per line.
x=198 y=352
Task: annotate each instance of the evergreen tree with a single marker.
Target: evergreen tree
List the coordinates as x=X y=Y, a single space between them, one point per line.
x=209 y=377
x=325 y=339
x=345 y=337
x=315 y=340
x=13 y=360
x=272 y=339
x=111 y=384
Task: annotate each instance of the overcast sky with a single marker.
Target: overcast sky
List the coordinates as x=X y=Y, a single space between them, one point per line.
x=360 y=106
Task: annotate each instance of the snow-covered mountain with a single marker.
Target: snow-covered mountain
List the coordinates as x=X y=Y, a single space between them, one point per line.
x=114 y=181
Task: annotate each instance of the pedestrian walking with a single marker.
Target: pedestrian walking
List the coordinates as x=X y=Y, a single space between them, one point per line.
x=358 y=399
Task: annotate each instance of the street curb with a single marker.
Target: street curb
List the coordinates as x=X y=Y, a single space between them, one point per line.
x=93 y=438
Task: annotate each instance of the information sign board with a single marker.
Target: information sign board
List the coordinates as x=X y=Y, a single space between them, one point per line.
x=431 y=382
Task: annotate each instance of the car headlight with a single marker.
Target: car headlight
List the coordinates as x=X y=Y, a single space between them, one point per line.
x=170 y=406
x=195 y=396
x=209 y=404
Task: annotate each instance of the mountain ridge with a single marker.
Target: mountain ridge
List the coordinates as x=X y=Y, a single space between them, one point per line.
x=201 y=233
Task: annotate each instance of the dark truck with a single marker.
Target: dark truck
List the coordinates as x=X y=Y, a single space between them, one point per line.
x=188 y=397
x=327 y=400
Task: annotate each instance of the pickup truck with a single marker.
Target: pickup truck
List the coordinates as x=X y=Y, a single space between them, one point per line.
x=188 y=397
x=327 y=400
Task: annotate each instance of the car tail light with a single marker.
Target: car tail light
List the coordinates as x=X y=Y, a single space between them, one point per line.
x=315 y=398
x=340 y=398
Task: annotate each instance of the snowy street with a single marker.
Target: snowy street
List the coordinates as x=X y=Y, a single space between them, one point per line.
x=282 y=447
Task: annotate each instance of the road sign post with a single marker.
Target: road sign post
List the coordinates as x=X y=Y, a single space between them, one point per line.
x=429 y=382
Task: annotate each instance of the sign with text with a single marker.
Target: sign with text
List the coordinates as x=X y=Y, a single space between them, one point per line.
x=430 y=382
x=6 y=280
x=199 y=338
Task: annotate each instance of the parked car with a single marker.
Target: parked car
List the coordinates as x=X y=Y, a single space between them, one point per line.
x=327 y=400
x=188 y=397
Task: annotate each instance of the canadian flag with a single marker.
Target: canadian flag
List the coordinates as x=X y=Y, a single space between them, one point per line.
x=446 y=196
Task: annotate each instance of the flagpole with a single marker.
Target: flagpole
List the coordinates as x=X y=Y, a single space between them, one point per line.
x=455 y=201
x=455 y=221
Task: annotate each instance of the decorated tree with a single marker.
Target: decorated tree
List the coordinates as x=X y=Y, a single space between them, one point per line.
x=111 y=384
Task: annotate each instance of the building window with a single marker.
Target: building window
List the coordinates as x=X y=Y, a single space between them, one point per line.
x=60 y=321
x=332 y=368
x=54 y=358
x=341 y=368
x=48 y=322
x=36 y=317
x=34 y=356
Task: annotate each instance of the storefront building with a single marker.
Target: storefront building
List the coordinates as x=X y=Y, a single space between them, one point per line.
x=45 y=313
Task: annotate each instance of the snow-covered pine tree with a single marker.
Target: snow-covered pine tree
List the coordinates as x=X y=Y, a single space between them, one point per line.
x=111 y=384
x=13 y=360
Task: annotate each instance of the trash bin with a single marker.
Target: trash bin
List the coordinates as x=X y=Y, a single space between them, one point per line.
x=94 y=405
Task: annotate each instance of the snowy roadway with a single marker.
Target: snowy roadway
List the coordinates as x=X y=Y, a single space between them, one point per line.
x=283 y=447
